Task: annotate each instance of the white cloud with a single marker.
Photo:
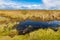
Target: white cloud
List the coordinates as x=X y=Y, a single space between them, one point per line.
x=47 y=4
x=52 y=4
x=14 y=5
x=8 y=5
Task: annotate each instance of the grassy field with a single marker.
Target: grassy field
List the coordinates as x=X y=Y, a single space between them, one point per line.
x=10 y=18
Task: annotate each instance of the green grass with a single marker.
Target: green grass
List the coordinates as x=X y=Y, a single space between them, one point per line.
x=41 y=34
x=7 y=33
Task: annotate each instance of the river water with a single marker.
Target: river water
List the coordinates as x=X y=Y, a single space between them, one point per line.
x=36 y=24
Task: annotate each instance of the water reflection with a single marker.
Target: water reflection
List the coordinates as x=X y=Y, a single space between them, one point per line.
x=35 y=25
x=29 y=26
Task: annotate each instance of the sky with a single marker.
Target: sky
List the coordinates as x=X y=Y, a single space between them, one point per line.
x=30 y=4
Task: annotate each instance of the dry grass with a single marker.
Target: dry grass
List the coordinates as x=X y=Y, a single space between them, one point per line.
x=40 y=15
x=10 y=18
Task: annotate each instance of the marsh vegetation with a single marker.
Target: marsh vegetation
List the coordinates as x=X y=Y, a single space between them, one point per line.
x=10 y=18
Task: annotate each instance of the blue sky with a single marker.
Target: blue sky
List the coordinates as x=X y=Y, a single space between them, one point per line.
x=29 y=1
x=30 y=4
